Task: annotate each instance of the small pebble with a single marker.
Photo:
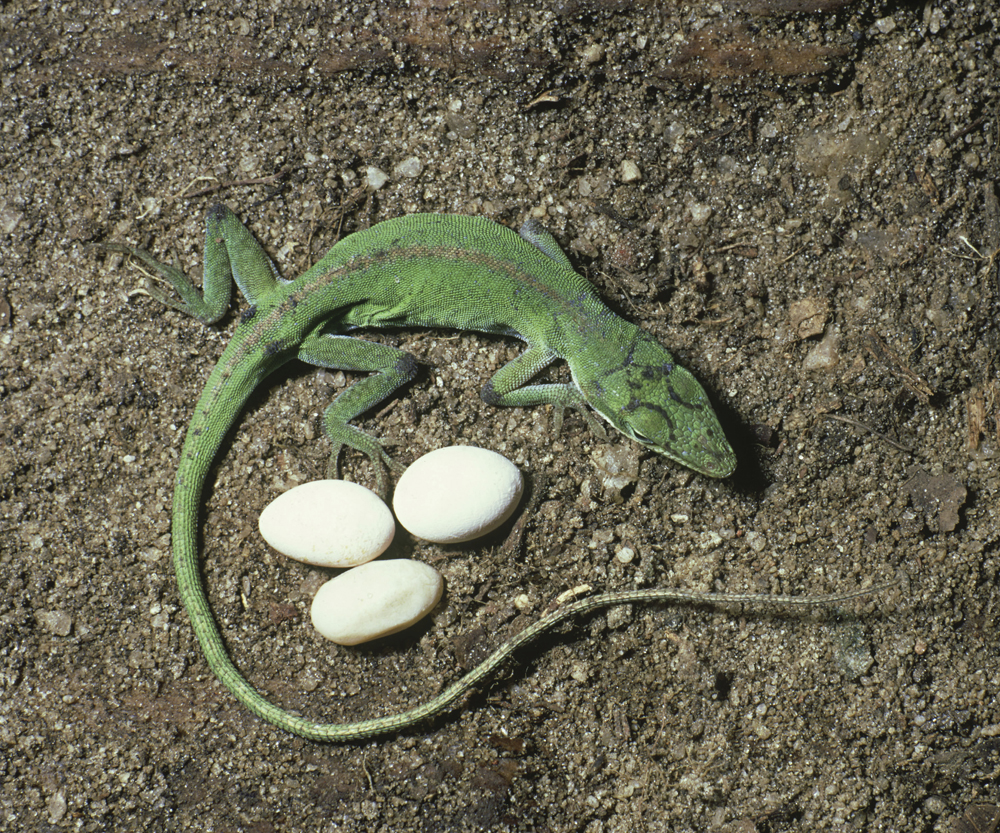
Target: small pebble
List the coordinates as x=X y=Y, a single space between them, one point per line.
x=456 y=494
x=826 y=354
x=699 y=212
x=328 y=523
x=625 y=555
x=375 y=599
x=409 y=168
x=630 y=171
x=376 y=177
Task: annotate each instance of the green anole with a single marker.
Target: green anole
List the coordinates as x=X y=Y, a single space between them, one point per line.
x=426 y=270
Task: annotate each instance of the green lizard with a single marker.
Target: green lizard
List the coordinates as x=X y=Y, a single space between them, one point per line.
x=467 y=273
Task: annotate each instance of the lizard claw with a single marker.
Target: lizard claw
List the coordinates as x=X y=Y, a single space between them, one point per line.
x=592 y=423
x=380 y=462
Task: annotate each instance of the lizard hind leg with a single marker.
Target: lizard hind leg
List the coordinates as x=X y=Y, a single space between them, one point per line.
x=207 y=305
x=231 y=254
x=392 y=369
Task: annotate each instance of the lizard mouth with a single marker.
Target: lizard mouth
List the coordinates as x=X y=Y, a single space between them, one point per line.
x=705 y=457
x=714 y=459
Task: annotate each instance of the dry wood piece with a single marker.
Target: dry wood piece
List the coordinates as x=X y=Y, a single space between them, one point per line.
x=882 y=353
x=477 y=37
x=978 y=818
x=780 y=7
x=733 y=52
x=976 y=407
x=858 y=424
x=981 y=402
x=992 y=211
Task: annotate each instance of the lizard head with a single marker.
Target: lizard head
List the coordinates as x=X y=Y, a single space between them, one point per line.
x=656 y=402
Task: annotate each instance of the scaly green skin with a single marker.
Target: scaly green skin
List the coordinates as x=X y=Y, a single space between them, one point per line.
x=466 y=273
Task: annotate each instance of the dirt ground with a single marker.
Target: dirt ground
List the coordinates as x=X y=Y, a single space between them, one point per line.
x=798 y=198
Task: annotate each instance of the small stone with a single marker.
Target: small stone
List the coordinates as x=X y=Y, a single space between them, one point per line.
x=328 y=523
x=699 y=212
x=376 y=599
x=619 y=616
x=625 y=555
x=10 y=219
x=57 y=807
x=459 y=127
x=457 y=493
x=826 y=354
x=885 y=25
x=939 y=318
x=56 y=622
x=808 y=317
x=376 y=177
x=937 y=21
x=937 y=807
x=630 y=172
x=409 y=168
x=617 y=465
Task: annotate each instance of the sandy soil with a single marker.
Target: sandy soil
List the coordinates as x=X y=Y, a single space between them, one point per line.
x=799 y=198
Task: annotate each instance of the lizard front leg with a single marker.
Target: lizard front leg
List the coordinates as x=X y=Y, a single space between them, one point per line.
x=392 y=368
x=506 y=388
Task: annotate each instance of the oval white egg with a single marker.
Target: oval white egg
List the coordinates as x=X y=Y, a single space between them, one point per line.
x=375 y=599
x=456 y=494
x=329 y=523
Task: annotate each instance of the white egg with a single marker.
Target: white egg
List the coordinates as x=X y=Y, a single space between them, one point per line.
x=456 y=494
x=375 y=599
x=329 y=523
